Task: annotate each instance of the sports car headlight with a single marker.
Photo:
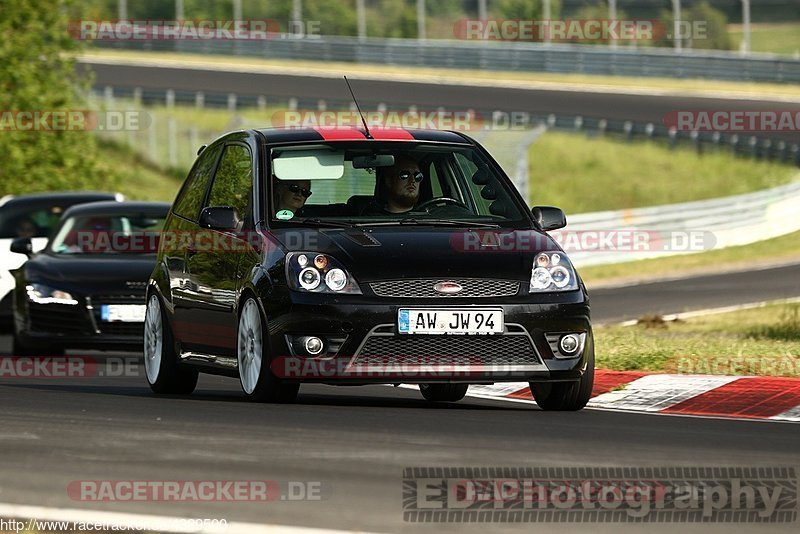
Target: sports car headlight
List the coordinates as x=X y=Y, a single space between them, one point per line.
x=318 y=273
x=552 y=271
x=42 y=294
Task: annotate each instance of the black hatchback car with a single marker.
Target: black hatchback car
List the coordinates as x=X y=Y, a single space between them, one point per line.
x=342 y=256
x=86 y=289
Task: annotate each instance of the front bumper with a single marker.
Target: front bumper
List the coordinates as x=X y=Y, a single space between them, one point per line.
x=363 y=345
x=43 y=326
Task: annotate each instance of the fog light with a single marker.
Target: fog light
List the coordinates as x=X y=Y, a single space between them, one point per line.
x=569 y=344
x=313 y=345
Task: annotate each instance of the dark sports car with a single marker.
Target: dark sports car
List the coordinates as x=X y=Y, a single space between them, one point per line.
x=34 y=216
x=347 y=256
x=86 y=289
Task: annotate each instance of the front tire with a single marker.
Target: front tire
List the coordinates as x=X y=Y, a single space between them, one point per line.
x=443 y=392
x=566 y=396
x=165 y=374
x=258 y=382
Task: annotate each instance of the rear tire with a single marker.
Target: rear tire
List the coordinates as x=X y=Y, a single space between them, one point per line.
x=164 y=372
x=443 y=392
x=258 y=381
x=566 y=396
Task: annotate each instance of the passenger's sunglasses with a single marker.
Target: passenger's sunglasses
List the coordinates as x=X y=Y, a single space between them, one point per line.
x=416 y=175
x=294 y=188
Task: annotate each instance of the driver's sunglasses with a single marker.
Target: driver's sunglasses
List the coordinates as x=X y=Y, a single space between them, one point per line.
x=294 y=188
x=416 y=175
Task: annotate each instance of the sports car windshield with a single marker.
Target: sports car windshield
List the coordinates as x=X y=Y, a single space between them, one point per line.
x=108 y=234
x=378 y=183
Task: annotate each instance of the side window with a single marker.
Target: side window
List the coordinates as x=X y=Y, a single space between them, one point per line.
x=233 y=180
x=482 y=193
x=436 y=186
x=194 y=190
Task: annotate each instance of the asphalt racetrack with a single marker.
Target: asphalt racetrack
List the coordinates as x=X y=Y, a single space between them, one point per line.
x=355 y=442
x=637 y=108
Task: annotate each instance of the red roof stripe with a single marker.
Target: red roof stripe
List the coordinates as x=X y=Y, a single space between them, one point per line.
x=340 y=134
x=392 y=134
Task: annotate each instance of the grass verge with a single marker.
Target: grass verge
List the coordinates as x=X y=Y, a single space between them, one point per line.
x=135 y=177
x=778 y=38
x=610 y=175
x=760 y=342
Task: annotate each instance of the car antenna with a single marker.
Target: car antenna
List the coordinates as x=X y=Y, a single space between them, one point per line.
x=364 y=122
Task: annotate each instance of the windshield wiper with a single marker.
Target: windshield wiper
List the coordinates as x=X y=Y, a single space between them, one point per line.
x=316 y=221
x=429 y=222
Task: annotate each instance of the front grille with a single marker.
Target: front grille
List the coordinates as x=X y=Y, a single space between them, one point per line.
x=505 y=349
x=126 y=298
x=58 y=318
x=423 y=288
x=117 y=328
x=122 y=329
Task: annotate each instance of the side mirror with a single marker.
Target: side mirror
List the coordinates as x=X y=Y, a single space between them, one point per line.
x=22 y=245
x=224 y=218
x=549 y=218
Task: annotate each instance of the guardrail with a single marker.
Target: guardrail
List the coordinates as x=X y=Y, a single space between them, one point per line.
x=510 y=56
x=683 y=228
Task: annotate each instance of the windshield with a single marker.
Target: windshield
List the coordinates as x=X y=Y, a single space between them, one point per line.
x=93 y=234
x=388 y=183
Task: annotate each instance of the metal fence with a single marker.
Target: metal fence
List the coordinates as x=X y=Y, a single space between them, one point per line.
x=510 y=56
x=752 y=146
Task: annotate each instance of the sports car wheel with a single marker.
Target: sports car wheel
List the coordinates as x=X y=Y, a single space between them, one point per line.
x=443 y=392
x=165 y=374
x=258 y=381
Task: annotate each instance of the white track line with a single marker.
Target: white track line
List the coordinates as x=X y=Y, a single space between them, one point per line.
x=144 y=522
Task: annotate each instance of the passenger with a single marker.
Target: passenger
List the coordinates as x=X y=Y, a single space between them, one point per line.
x=400 y=187
x=291 y=195
x=25 y=228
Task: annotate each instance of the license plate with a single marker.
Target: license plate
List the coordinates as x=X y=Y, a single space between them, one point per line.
x=450 y=321
x=124 y=313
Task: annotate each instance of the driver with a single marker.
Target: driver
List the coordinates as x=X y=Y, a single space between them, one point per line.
x=401 y=185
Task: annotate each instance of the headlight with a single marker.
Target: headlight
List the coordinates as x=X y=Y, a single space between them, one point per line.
x=552 y=271
x=318 y=273
x=42 y=294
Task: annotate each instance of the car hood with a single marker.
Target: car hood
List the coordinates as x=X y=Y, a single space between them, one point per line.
x=91 y=275
x=379 y=253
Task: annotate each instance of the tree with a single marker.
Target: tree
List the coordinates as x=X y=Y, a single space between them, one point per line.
x=526 y=9
x=709 y=23
x=37 y=74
